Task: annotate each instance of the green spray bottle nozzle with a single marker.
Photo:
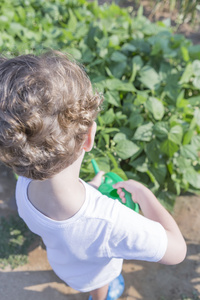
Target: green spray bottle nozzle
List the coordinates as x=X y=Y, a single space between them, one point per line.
x=95 y=166
x=106 y=187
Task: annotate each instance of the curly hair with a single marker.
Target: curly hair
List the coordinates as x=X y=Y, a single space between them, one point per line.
x=47 y=106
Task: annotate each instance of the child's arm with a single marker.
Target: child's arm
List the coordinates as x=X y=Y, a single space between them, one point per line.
x=97 y=180
x=152 y=209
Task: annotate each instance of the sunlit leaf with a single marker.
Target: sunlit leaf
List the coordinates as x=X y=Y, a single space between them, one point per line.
x=149 y=77
x=126 y=149
x=156 y=107
x=144 y=132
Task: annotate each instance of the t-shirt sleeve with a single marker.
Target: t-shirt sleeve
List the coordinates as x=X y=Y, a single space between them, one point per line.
x=135 y=237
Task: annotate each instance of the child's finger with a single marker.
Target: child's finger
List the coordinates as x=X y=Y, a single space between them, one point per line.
x=129 y=186
x=121 y=194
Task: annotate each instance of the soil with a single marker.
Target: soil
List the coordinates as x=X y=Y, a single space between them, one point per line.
x=143 y=280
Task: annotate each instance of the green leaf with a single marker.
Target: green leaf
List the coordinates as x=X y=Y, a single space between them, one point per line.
x=155 y=107
x=119 y=137
x=187 y=74
x=75 y=53
x=128 y=47
x=192 y=177
x=87 y=55
x=126 y=149
x=197 y=115
x=106 y=138
x=81 y=30
x=167 y=199
x=153 y=151
x=118 y=69
x=172 y=88
x=160 y=172
x=175 y=135
x=189 y=151
x=194 y=51
x=109 y=116
x=16 y=29
x=118 y=57
x=135 y=120
x=93 y=34
x=196 y=67
x=169 y=148
x=149 y=77
x=22 y=13
x=113 y=98
x=113 y=40
x=196 y=82
x=144 y=132
x=181 y=102
x=120 y=172
x=102 y=43
x=161 y=130
x=194 y=100
x=196 y=142
x=165 y=70
x=103 y=163
x=140 y=164
x=72 y=23
x=188 y=136
x=137 y=64
x=111 y=130
x=185 y=53
x=99 y=82
x=103 y=52
x=182 y=163
x=141 y=98
x=119 y=85
x=127 y=131
x=153 y=180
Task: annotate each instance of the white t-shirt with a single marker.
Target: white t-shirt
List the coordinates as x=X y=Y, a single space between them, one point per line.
x=87 y=250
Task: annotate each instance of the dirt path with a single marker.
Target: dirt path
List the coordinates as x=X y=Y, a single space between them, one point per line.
x=144 y=281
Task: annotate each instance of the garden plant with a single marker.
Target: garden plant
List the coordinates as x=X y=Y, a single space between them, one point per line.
x=149 y=126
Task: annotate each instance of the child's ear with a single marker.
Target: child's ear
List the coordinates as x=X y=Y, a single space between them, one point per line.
x=90 y=138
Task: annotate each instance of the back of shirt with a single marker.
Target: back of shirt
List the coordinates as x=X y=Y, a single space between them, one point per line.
x=87 y=250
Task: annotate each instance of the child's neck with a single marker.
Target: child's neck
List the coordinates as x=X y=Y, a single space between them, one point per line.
x=60 y=197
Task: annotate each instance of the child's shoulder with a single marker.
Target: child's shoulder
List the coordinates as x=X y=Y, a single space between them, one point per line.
x=101 y=206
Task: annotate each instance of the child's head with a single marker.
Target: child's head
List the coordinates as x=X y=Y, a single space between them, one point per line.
x=47 y=106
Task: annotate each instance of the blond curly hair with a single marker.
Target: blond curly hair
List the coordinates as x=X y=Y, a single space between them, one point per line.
x=47 y=106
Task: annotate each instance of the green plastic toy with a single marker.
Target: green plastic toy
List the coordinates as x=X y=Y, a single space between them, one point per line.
x=106 y=187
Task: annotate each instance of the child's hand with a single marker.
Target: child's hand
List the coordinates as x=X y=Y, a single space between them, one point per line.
x=97 y=180
x=133 y=187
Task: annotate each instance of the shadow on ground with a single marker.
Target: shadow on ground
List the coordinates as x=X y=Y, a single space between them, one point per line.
x=35 y=285
x=143 y=280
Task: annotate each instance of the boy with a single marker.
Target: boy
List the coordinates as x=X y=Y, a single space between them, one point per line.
x=47 y=113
